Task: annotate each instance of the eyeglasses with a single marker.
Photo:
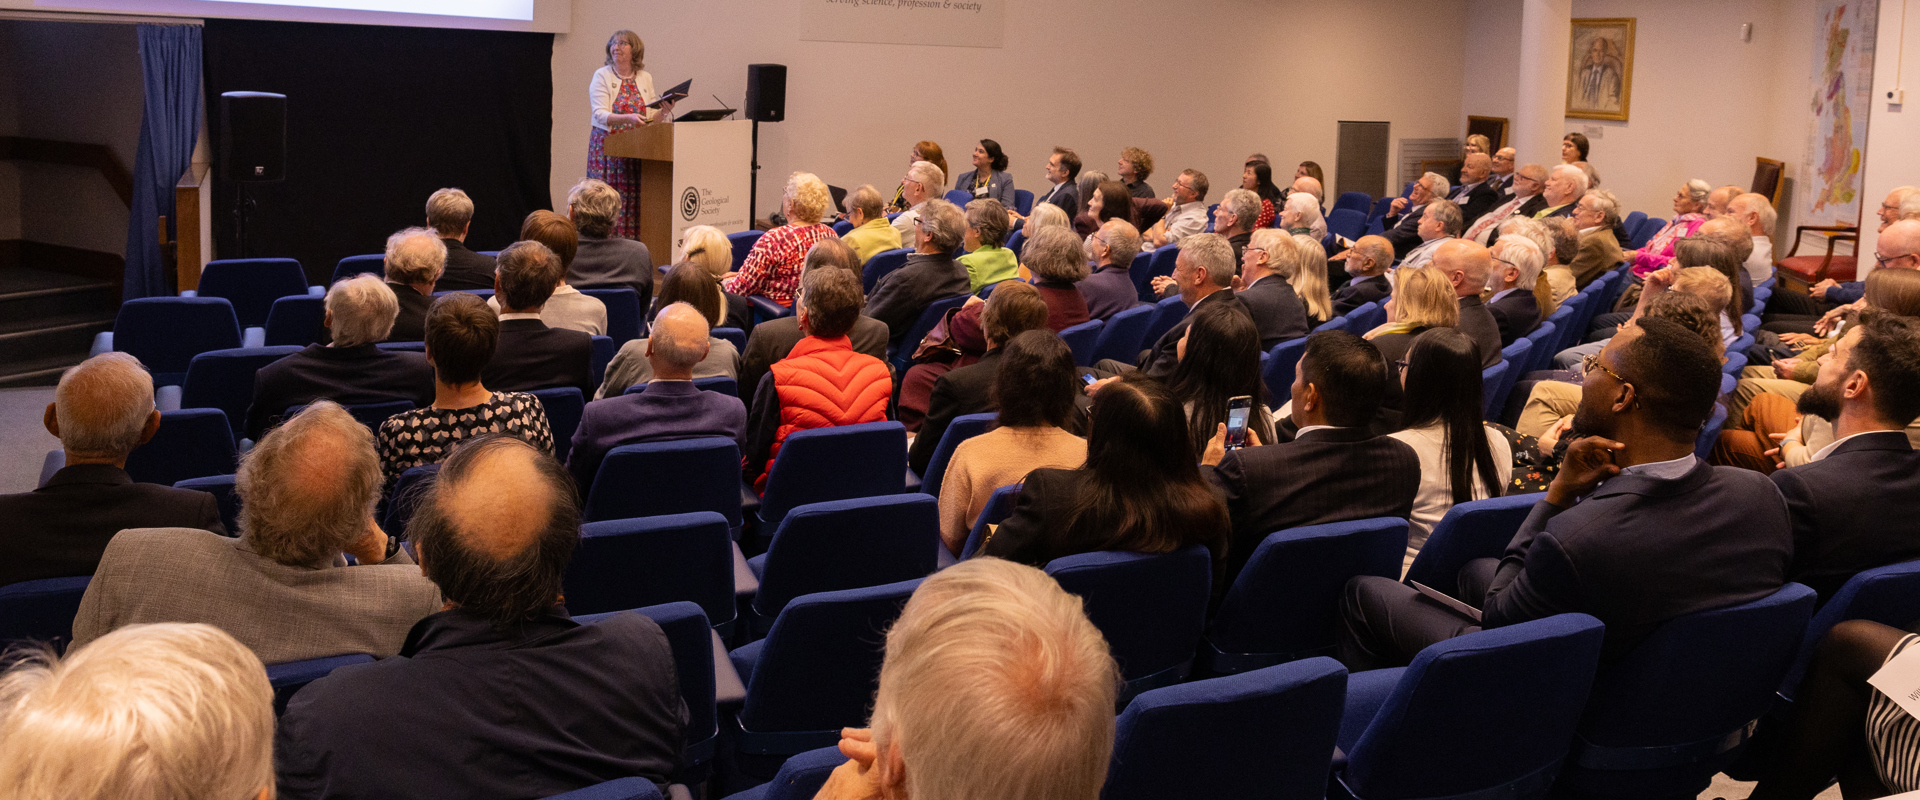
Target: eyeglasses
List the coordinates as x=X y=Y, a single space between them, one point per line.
x=1591 y=360
x=1256 y=249
x=1881 y=261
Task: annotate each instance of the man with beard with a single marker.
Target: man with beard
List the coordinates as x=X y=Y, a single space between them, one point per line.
x=1634 y=530
x=1856 y=506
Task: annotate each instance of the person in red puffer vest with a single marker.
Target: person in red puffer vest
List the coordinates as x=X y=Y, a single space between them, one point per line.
x=824 y=382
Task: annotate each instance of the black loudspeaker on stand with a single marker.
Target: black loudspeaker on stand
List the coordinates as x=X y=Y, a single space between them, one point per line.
x=766 y=102
x=253 y=148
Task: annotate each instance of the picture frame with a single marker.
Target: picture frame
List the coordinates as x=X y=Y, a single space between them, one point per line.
x=1494 y=128
x=1600 y=69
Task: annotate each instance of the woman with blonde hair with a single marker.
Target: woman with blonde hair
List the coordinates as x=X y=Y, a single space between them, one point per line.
x=1423 y=299
x=620 y=92
x=709 y=248
x=1309 y=276
x=773 y=266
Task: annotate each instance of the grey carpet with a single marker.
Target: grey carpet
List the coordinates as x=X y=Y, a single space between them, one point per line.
x=24 y=441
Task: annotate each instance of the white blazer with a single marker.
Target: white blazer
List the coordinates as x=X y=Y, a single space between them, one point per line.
x=606 y=86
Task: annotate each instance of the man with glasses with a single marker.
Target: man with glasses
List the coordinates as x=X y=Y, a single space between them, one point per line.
x=1634 y=529
x=923 y=182
x=1186 y=210
x=1404 y=213
x=1522 y=200
x=1502 y=165
x=1110 y=290
x=1817 y=312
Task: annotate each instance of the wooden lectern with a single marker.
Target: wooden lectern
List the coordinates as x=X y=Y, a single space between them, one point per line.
x=653 y=146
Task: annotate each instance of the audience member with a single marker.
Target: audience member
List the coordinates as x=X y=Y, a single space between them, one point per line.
x=929 y=274
x=1366 y=263
x=988 y=179
x=930 y=153
x=1186 y=210
x=307 y=495
x=1521 y=199
x=1277 y=312
x=450 y=214
x=1565 y=239
x=1310 y=184
x=1309 y=279
x=1574 y=148
x=1515 y=308
x=1688 y=203
x=1233 y=219
x=1659 y=533
x=1595 y=214
x=1220 y=360
x=351 y=370
x=965 y=386
x=1467 y=265
x=985 y=654
x=603 y=259
x=1086 y=186
x=1502 y=169
x=1439 y=224
x=1110 y=290
x=568 y=307
x=101 y=411
x=1405 y=214
x=872 y=234
x=771 y=340
x=1755 y=213
x=686 y=284
x=1461 y=458
x=1134 y=167
x=1719 y=200
x=1139 y=491
x=1897 y=248
x=1047 y=215
x=1063 y=167
x=1033 y=391
x=157 y=712
x=1107 y=200
x=1334 y=469
x=922 y=183
x=499 y=694
x=710 y=248
x=415 y=259
x=772 y=267
x=461 y=336
x=823 y=382
x=1301 y=217
x=1565 y=185
x=1257 y=177
x=1476 y=195
x=987 y=260
x=966 y=340
x=1203 y=272
x=530 y=355
x=1423 y=299
x=1059 y=264
x=1842 y=725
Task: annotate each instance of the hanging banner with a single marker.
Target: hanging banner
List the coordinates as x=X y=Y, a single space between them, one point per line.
x=950 y=23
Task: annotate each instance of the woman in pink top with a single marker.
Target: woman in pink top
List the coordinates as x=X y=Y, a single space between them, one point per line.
x=1687 y=205
x=773 y=266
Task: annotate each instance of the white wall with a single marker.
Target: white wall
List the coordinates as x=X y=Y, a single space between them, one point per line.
x=1892 y=159
x=1198 y=85
x=1492 y=85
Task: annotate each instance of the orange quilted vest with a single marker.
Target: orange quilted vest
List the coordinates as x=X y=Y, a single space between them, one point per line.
x=824 y=383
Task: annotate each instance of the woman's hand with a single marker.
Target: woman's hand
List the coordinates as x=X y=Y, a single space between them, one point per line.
x=1551 y=439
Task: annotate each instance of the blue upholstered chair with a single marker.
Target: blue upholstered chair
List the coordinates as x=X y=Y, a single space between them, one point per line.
x=374 y=264
x=1151 y=608
x=999 y=507
x=224 y=495
x=1022 y=202
x=694 y=646
x=222 y=379
x=630 y=563
x=298 y=320
x=1889 y=595
x=1366 y=317
x=1278 y=372
x=191 y=443
x=1082 y=339
x=1470 y=530
x=798 y=779
x=882 y=264
x=165 y=333
x=675 y=477
x=839 y=463
x=1354 y=201
x=404 y=497
x=1490 y=380
x=845 y=544
x=1161 y=265
x=40 y=611
x=1284 y=605
x=1122 y=338
x=252 y=284
x=292 y=676
x=962 y=428
x=902 y=358
x=617 y=789
x=743 y=243
x=1345 y=222
x=624 y=320
x=564 y=406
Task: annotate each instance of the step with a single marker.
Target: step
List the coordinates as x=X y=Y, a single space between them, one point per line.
x=43 y=371
x=29 y=340
x=27 y=294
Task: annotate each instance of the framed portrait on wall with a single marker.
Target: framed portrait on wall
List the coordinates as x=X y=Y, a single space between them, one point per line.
x=1600 y=69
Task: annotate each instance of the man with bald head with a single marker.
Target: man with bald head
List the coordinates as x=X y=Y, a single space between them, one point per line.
x=1367 y=263
x=284 y=588
x=1476 y=194
x=500 y=693
x=1522 y=199
x=1791 y=312
x=101 y=411
x=1310 y=185
x=1755 y=213
x=671 y=407
x=1720 y=199
x=1467 y=265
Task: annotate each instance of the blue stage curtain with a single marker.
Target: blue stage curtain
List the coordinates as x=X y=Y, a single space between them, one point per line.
x=170 y=60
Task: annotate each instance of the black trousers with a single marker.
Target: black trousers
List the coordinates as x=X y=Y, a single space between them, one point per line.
x=1385 y=623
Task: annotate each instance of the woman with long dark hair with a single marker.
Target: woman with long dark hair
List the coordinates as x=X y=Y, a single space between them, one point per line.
x=1140 y=490
x=1219 y=360
x=1461 y=458
x=1257 y=177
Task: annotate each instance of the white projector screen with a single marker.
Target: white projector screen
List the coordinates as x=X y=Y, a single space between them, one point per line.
x=545 y=16
x=494 y=9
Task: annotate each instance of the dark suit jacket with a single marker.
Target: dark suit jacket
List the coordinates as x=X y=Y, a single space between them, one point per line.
x=1404 y=230
x=1109 y=291
x=467 y=710
x=346 y=375
x=1517 y=314
x=1480 y=200
x=612 y=262
x=898 y=298
x=1359 y=292
x=1476 y=321
x=1064 y=195
x=465 y=269
x=1165 y=355
x=1502 y=185
x=1039 y=529
x=1640 y=551
x=411 y=324
x=1854 y=510
x=1325 y=475
x=1278 y=313
x=967 y=390
x=772 y=340
x=533 y=356
x=1534 y=205
x=60 y=529
x=667 y=410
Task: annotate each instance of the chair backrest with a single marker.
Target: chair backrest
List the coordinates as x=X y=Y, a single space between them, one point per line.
x=298 y=319
x=1282 y=361
x=962 y=428
x=817 y=670
x=743 y=243
x=1121 y=339
x=1346 y=222
x=221 y=487
x=223 y=379
x=1081 y=339
x=1163 y=263
x=1380 y=208
x=1633 y=220
x=1541 y=337
x=292 y=676
x=41 y=610
x=676 y=477
x=1366 y=317
x=848 y=544
x=691 y=639
x=629 y=563
x=1335 y=324
x=1490 y=380
x=1493 y=708
x=191 y=443
x=403 y=347
x=882 y=264
x=840 y=228
x=623 y=312
x=600 y=356
x=1576 y=306
x=1285 y=602
x=1017 y=241
x=369 y=414
x=1470 y=530
x=1166 y=314
x=374 y=264
x=800 y=777
x=1517 y=357
x=733 y=336
x=1889 y=595
x=1139 y=270
x=837 y=463
x=929 y=317
x=405 y=496
x=999 y=507
x=252 y=284
x=1354 y=201
x=617 y=789
x=1022 y=202
x=1151 y=607
x=959 y=197
x=1710 y=433
x=564 y=406
x=480 y=293
x=165 y=333
x=1267 y=733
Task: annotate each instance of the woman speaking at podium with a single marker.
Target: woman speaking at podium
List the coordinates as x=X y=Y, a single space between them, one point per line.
x=620 y=93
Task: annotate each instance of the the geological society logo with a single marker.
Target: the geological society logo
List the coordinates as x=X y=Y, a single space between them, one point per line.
x=690 y=204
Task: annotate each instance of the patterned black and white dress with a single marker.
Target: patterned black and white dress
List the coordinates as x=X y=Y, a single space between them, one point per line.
x=426 y=435
x=1894 y=735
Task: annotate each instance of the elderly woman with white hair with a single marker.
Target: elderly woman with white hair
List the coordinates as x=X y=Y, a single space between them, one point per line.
x=601 y=258
x=709 y=248
x=1688 y=203
x=773 y=266
x=1301 y=216
x=415 y=260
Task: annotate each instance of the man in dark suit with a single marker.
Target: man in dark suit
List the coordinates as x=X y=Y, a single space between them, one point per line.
x=1476 y=194
x=501 y=694
x=1277 y=311
x=101 y=411
x=1014 y=308
x=530 y=354
x=1202 y=273
x=1856 y=506
x=602 y=259
x=1659 y=533
x=1466 y=263
x=1109 y=290
x=415 y=260
x=353 y=369
x=1516 y=267
x=1334 y=470
x=670 y=408
x=1367 y=262
x=1063 y=168
x=1502 y=169
x=929 y=274
x=450 y=214
x=1404 y=213
x=1234 y=219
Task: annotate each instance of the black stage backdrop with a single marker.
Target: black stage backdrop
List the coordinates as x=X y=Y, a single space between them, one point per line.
x=377 y=119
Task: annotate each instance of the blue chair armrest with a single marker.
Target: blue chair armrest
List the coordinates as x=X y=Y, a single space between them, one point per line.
x=1366 y=692
x=253 y=337
x=166 y=398
x=727 y=685
x=189 y=293
x=102 y=343
x=316 y=291
x=746 y=580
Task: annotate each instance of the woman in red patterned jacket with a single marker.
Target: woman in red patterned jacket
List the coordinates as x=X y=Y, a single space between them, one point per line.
x=773 y=266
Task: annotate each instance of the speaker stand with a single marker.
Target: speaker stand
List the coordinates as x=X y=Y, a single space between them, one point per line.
x=753 y=182
x=241 y=208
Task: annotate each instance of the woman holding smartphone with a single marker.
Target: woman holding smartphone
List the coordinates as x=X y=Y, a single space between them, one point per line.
x=1220 y=361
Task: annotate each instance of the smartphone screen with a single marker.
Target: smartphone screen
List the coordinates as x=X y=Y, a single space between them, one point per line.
x=1087 y=379
x=1238 y=409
